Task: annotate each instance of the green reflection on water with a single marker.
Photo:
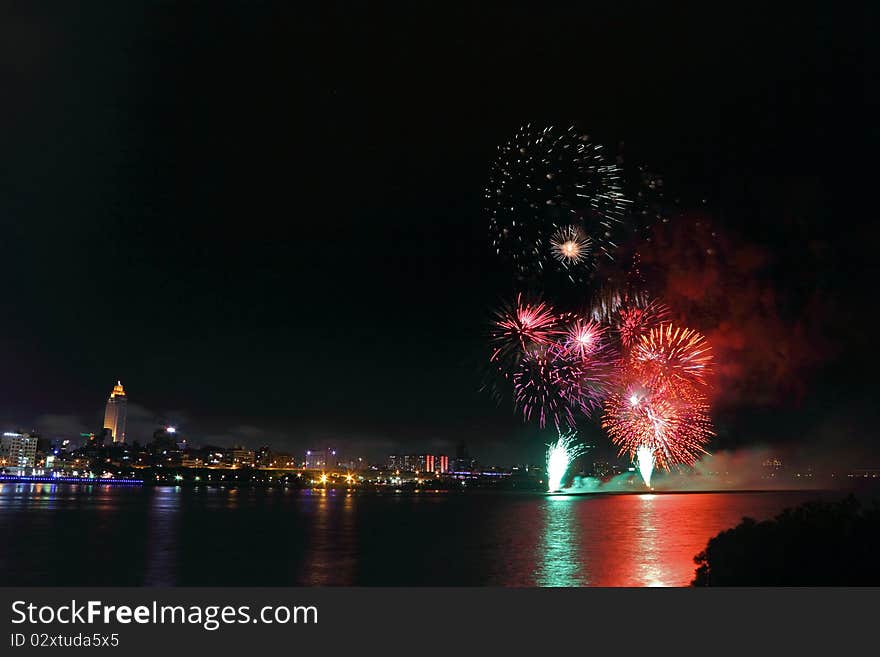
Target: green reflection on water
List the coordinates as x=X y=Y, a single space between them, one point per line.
x=559 y=561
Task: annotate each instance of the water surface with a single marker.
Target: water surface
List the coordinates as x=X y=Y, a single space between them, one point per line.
x=173 y=536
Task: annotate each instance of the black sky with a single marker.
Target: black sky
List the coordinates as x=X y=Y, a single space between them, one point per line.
x=266 y=218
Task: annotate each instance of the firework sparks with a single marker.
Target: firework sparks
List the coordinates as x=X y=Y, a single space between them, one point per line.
x=587 y=343
x=645 y=463
x=548 y=386
x=674 y=430
x=560 y=455
x=570 y=245
x=521 y=326
x=543 y=180
x=673 y=359
x=585 y=339
x=631 y=315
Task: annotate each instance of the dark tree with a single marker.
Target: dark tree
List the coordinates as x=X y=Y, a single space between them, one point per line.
x=816 y=544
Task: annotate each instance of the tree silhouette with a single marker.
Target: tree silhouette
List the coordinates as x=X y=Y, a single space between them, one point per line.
x=815 y=544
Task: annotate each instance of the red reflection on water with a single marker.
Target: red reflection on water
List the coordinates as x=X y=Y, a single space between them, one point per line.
x=621 y=540
x=651 y=540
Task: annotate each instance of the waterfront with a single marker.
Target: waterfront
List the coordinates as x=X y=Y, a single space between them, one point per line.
x=176 y=536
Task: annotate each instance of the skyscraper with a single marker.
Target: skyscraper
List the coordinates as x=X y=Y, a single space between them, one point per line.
x=18 y=450
x=114 y=413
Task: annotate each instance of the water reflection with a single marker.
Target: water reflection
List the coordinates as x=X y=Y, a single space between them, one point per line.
x=559 y=560
x=331 y=555
x=161 y=554
x=83 y=535
x=649 y=568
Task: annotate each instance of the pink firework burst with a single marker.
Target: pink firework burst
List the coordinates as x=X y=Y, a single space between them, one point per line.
x=521 y=326
x=553 y=385
x=584 y=338
x=547 y=386
x=587 y=342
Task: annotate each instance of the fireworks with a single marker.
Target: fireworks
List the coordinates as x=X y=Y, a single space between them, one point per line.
x=632 y=315
x=673 y=359
x=645 y=463
x=570 y=246
x=659 y=415
x=548 y=386
x=555 y=205
x=560 y=455
x=584 y=338
x=587 y=342
x=520 y=326
x=545 y=180
x=673 y=430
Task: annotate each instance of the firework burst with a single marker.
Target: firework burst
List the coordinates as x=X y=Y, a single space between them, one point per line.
x=548 y=387
x=519 y=327
x=631 y=315
x=560 y=455
x=673 y=359
x=587 y=342
x=584 y=338
x=570 y=245
x=673 y=430
x=546 y=179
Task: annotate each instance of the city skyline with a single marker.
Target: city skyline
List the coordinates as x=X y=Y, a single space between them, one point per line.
x=447 y=455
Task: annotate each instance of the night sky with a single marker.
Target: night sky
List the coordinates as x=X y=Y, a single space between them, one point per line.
x=266 y=220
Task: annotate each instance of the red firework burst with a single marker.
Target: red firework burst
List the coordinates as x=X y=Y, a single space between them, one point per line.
x=673 y=429
x=673 y=359
x=630 y=314
x=634 y=321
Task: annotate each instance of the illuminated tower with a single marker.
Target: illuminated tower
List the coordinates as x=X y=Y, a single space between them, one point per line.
x=114 y=413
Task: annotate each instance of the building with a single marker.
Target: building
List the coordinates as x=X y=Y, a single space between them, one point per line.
x=430 y=463
x=115 y=412
x=264 y=457
x=463 y=461
x=165 y=449
x=321 y=459
x=353 y=464
x=18 y=450
x=238 y=456
x=280 y=460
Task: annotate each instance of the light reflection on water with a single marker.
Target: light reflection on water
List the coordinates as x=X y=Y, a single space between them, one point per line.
x=161 y=562
x=560 y=562
x=101 y=535
x=650 y=566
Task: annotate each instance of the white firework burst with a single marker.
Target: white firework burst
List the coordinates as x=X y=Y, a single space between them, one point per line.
x=571 y=245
